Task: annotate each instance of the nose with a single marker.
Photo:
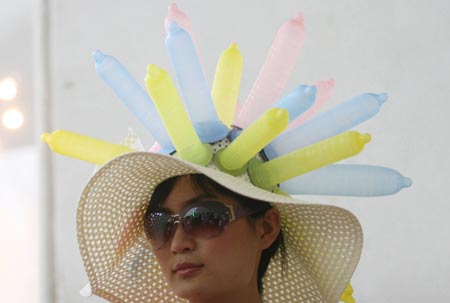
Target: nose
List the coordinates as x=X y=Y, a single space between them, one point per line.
x=181 y=241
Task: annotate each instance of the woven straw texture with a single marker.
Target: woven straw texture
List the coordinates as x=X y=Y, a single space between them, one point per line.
x=323 y=243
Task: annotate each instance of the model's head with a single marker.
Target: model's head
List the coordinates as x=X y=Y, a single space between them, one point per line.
x=219 y=246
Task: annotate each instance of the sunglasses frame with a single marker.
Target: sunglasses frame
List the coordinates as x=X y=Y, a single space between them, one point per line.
x=234 y=212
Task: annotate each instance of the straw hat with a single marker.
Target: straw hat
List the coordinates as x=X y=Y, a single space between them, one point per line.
x=323 y=243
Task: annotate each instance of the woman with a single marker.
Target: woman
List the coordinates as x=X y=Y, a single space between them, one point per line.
x=154 y=228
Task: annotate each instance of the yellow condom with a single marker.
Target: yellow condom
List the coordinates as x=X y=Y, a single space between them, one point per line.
x=227 y=80
x=175 y=117
x=252 y=140
x=83 y=147
x=269 y=174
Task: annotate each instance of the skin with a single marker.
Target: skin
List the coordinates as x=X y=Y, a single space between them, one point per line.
x=224 y=268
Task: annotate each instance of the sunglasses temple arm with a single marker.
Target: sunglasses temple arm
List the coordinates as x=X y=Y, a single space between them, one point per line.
x=238 y=212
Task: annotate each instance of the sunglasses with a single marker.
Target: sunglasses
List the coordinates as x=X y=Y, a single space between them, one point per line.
x=205 y=219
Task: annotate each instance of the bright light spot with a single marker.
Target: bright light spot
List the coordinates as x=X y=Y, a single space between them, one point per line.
x=8 y=89
x=12 y=119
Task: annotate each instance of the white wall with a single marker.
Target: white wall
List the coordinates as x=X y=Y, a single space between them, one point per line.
x=400 y=47
x=18 y=225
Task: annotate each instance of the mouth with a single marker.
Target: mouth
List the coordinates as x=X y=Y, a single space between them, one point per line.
x=187 y=269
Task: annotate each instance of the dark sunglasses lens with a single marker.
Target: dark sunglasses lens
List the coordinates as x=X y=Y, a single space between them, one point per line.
x=158 y=228
x=206 y=222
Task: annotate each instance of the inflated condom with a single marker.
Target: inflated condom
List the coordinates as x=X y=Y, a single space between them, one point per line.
x=83 y=147
x=275 y=72
x=347 y=299
x=268 y=174
x=193 y=86
x=331 y=123
x=323 y=94
x=226 y=84
x=175 y=117
x=347 y=180
x=234 y=157
x=347 y=295
x=348 y=291
x=133 y=96
x=297 y=101
x=174 y=14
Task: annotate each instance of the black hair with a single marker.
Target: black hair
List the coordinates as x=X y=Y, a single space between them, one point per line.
x=204 y=184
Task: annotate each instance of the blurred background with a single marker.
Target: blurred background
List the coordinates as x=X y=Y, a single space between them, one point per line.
x=18 y=156
x=48 y=82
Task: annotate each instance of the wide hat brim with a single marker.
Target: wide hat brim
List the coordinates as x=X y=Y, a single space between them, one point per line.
x=323 y=242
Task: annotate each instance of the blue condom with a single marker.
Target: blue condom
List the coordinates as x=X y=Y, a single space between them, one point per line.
x=132 y=96
x=193 y=86
x=328 y=124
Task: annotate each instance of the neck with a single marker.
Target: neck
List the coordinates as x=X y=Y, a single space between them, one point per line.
x=235 y=297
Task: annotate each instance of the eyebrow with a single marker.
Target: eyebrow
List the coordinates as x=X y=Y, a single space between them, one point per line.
x=187 y=203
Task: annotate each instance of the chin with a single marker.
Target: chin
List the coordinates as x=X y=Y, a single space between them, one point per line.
x=191 y=289
x=190 y=293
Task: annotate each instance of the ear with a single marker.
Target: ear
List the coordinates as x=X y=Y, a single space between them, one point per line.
x=269 y=227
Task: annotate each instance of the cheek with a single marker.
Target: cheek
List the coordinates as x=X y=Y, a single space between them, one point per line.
x=234 y=254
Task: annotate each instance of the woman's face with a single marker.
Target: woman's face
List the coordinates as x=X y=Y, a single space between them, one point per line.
x=206 y=269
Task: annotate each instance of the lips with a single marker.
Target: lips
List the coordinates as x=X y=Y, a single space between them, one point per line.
x=187 y=269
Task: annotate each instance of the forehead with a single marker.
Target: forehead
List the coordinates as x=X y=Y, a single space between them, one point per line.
x=181 y=191
x=184 y=193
